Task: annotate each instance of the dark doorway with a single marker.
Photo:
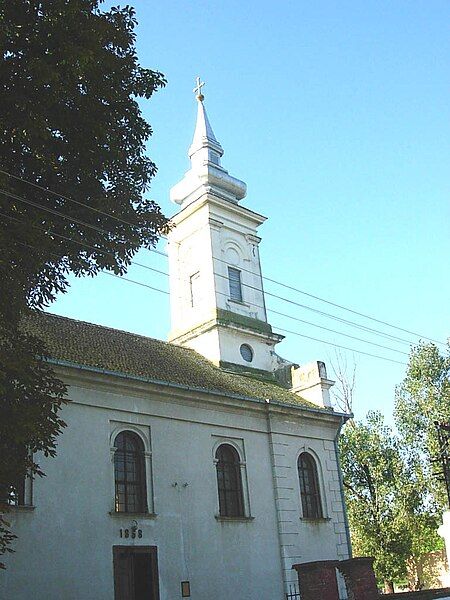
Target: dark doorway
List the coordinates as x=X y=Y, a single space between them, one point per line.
x=135 y=573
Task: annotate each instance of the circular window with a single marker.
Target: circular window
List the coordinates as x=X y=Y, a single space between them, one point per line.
x=246 y=352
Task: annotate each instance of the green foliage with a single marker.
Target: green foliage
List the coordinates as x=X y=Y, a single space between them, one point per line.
x=387 y=510
x=6 y=538
x=423 y=398
x=71 y=123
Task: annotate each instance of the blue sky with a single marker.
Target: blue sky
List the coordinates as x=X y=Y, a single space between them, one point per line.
x=336 y=115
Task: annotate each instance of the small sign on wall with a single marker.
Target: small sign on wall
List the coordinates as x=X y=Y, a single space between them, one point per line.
x=185 y=589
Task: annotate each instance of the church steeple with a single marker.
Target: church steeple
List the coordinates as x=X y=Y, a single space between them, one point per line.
x=216 y=291
x=206 y=172
x=204 y=144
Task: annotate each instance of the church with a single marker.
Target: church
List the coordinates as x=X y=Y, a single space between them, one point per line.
x=203 y=467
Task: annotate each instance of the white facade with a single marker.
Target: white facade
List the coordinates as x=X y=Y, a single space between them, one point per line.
x=64 y=548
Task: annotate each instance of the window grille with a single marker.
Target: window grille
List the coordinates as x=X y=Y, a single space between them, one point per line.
x=229 y=482
x=293 y=593
x=234 y=278
x=129 y=472
x=309 y=487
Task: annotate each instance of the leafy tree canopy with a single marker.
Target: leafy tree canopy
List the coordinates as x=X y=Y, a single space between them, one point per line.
x=71 y=123
x=422 y=399
x=386 y=506
x=71 y=126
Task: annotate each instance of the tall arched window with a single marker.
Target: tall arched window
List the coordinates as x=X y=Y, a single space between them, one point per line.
x=309 y=487
x=229 y=482
x=129 y=473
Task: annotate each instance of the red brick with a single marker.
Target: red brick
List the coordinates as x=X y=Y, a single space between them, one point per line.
x=317 y=580
x=359 y=578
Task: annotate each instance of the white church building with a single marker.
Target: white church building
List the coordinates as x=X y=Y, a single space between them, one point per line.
x=203 y=467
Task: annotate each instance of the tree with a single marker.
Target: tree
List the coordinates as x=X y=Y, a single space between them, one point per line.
x=344 y=389
x=386 y=507
x=73 y=171
x=422 y=399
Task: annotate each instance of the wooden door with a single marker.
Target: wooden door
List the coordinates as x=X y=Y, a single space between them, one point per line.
x=135 y=573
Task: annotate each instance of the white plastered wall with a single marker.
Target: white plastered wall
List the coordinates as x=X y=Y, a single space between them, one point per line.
x=75 y=532
x=209 y=236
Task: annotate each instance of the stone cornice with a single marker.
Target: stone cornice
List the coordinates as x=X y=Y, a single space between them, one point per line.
x=119 y=383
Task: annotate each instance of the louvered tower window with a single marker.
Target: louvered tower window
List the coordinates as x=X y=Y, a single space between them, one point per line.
x=234 y=278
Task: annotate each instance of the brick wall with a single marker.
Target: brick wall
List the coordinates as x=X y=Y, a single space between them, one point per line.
x=317 y=581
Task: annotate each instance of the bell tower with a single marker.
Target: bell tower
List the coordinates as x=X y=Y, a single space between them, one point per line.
x=216 y=287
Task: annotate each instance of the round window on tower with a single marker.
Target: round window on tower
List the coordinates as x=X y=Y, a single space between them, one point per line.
x=246 y=352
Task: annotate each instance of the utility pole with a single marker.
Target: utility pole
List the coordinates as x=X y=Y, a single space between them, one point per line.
x=443 y=432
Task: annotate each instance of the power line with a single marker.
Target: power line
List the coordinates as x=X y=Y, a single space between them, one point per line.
x=389 y=336
x=279 y=328
x=53 y=211
x=220 y=275
x=339 y=346
x=299 y=291
x=252 y=287
x=322 y=313
x=80 y=243
x=355 y=312
x=68 y=218
x=136 y=282
x=360 y=326
x=292 y=288
x=218 y=292
x=58 y=195
x=121 y=277
x=306 y=307
x=325 y=314
x=275 y=312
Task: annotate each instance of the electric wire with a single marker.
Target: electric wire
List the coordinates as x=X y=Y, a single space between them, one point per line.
x=286 y=316
x=292 y=288
x=390 y=337
x=132 y=262
x=145 y=285
x=80 y=243
x=69 y=199
x=306 y=307
x=339 y=346
x=252 y=287
x=360 y=326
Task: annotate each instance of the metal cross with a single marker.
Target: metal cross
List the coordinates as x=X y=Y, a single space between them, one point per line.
x=198 y=88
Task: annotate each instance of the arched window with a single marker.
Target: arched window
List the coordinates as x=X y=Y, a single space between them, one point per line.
x=309 y=487
x=229 y=482
x=129 y=473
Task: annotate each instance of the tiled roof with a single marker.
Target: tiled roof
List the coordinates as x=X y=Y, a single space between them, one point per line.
x=103 y=348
